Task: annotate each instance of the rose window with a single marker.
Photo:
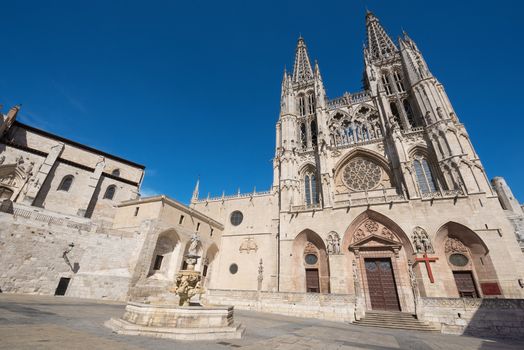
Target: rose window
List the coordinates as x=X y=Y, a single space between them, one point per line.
x=361 y=174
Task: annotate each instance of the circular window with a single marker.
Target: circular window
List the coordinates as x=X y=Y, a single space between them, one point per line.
x=236 y=218
x=233 y=268
x=458 y=259
x=311 y=259
x=362 y=174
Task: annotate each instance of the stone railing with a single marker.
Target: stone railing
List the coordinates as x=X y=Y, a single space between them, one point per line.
x=365 y=198
x=348 y=99
x=443 y=194
x=45 y=216
x=333 y=307
x=25 y=212
x=348 y=144
x=305 y=207
x=234 y=196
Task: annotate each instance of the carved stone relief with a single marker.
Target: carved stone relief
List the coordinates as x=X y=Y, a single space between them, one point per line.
x=248 y=245
x=421 y=241
x=454 y=245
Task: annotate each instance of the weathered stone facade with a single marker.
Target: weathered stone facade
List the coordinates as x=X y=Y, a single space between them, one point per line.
x=379 y=201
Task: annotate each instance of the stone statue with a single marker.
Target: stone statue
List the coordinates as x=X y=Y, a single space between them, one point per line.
x=421 y=241
x=330 y=248
x=440 y=113
x=187 y=285
x=193 y=246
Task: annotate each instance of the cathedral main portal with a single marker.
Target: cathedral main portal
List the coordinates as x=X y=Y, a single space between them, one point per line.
x=381 y=283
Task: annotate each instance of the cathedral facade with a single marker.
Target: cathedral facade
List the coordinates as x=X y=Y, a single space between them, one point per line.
x=378 y=202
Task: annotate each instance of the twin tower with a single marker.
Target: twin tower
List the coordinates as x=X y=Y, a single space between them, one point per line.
x=402 y=126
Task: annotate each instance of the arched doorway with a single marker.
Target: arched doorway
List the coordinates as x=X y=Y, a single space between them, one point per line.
x=311 y=265
x=380 y=250
x=469 y=262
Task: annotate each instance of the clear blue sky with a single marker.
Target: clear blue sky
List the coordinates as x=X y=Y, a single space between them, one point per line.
x=192 y=88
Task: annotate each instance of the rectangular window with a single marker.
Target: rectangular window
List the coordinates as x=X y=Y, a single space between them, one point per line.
x=211 y=232
x=158 y=262
x=62 y=286
x=385 y=82
x=136 y=211
x=198 y=226
x=181 y=220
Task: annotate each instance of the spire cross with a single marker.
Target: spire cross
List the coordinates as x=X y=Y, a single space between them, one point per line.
x=426 y=260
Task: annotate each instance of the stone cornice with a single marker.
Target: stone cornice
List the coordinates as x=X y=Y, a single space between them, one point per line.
x=175 y=204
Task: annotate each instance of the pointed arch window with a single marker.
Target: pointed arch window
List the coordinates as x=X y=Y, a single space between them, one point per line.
x=311 y=103
x=398 y=81
x=426 y=181
x=409 y=112
x=314 y=133
x=301 y=105
x=311 y=189
x=385 y=82
x=396 y=115
x=66 y=183
x=110 y=192
x=303 y=135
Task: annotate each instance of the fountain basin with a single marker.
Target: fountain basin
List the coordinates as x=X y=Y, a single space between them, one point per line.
x=177 y=322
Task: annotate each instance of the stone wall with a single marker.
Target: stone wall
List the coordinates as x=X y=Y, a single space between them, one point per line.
x=481 y=317
x=38 y=247
x=332 y=307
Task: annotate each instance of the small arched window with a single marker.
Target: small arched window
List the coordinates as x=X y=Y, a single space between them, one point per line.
x=116 y=172
x=110 y=192
x=425 y=179
x=66 y=183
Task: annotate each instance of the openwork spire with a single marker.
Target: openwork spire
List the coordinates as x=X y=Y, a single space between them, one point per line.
x=302 y=70
x=380 y=44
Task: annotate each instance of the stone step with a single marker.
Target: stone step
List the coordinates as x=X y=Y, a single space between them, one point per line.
x=396 y=320
x=414 y=328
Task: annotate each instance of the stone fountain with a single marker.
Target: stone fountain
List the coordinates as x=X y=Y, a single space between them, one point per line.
x=185 y=321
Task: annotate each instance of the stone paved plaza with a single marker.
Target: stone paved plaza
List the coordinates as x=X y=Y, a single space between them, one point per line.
x=36 y=322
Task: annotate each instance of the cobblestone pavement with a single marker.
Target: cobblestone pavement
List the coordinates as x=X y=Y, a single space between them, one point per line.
x=37 y=322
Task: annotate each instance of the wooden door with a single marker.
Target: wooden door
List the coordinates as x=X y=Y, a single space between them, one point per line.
x=312 y=281
x=465 y=284
x=381 y=284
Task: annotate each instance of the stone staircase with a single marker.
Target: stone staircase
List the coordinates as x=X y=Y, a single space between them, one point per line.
x=397 y=320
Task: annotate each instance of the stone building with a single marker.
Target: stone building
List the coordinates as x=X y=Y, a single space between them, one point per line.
x=379 y=202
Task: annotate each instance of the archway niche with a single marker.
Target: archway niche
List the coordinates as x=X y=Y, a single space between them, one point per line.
x=310 y=263
x=208 y=264
x=378 y=252
x=472 y=274
x=165 y=256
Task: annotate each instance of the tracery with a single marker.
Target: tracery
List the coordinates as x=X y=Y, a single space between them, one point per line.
x=347 y=129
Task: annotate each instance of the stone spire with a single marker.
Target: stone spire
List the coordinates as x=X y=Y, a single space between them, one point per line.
x=380 y=44
x=302 y=69
x=195 y=191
